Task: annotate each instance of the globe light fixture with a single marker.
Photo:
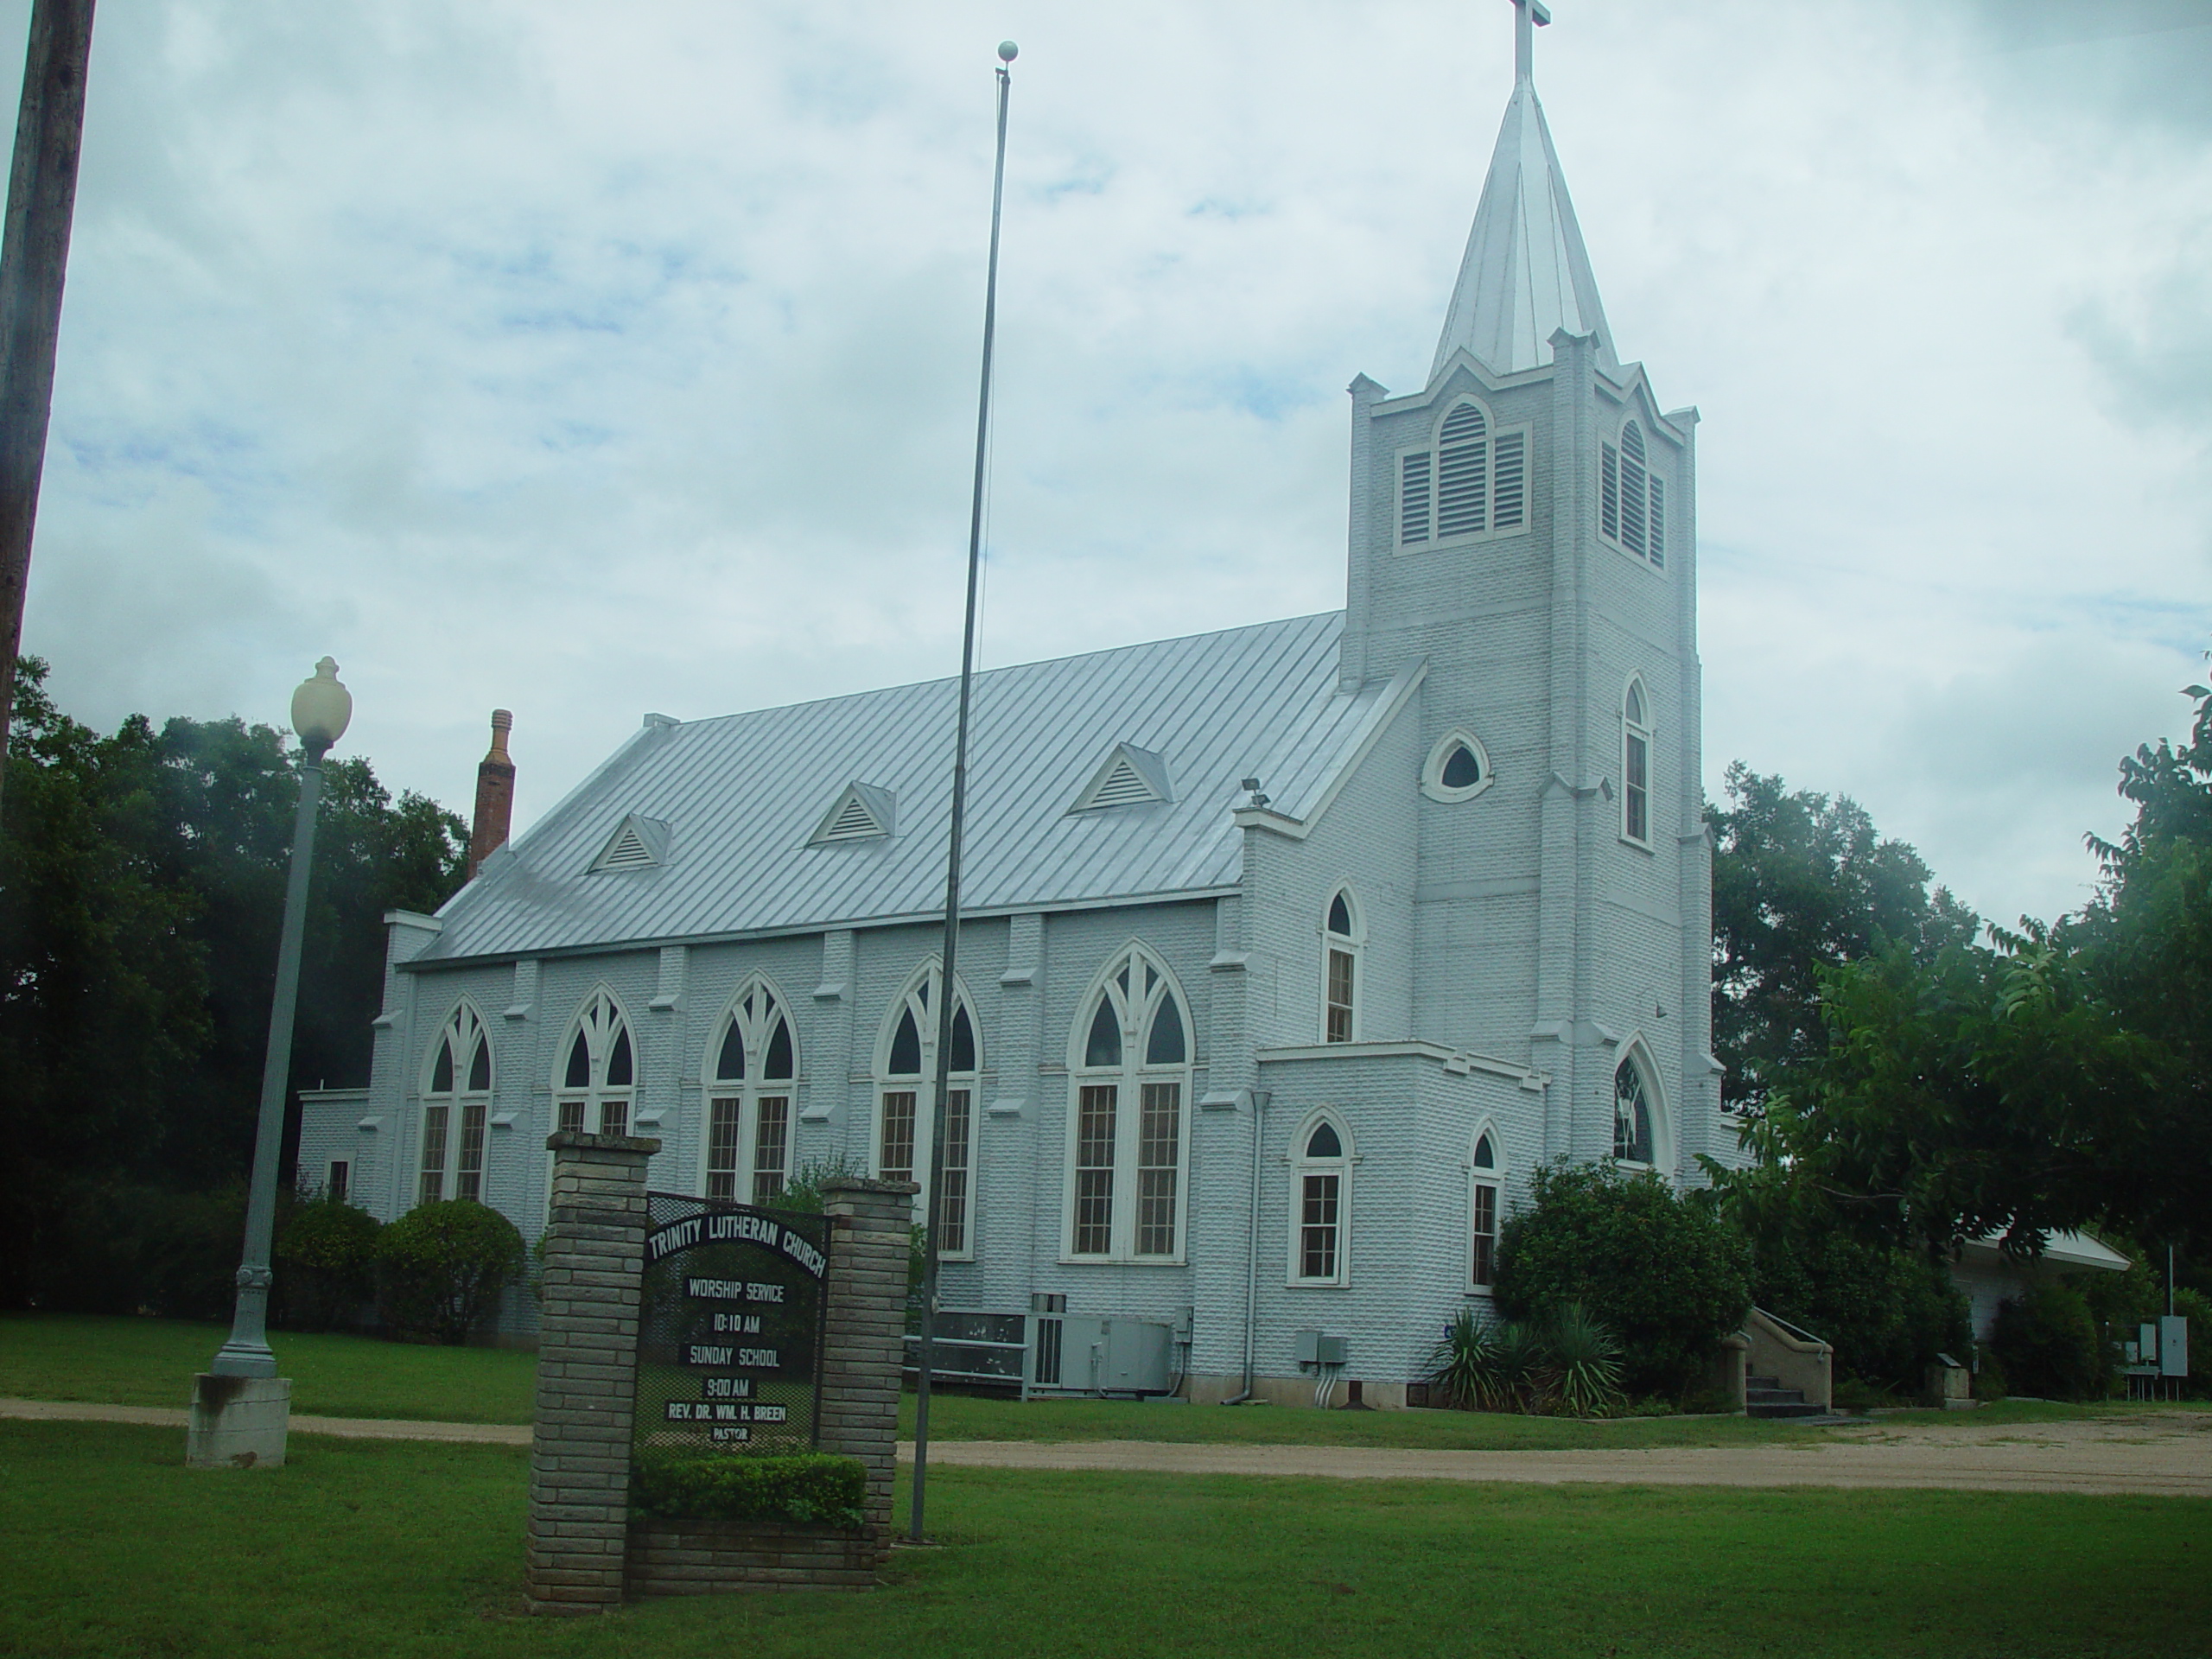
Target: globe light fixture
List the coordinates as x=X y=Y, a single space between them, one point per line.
x=322 y=708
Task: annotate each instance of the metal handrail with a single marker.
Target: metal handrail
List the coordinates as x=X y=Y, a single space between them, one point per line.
x=1797 y=1330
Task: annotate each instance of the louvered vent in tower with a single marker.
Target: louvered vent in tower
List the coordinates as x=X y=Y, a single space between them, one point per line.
x=638 y=844
x=1509 y=480
x=1131 y=777
x=863 y=812
x=1462 y=473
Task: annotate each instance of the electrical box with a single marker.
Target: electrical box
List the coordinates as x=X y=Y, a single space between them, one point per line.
x=1319 y=1347
x=2173 y=1346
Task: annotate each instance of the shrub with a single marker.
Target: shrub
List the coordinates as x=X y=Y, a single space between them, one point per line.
x=1887 y=1312
x=1582 y=1376
x=2049 y=1345
x=1569 y=1363
x=1668 y=1278
x=441 y=1265
x=325 y=1261
x=811 y=1487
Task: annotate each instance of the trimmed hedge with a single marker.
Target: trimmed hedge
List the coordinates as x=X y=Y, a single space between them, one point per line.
x=813 y=1488
x=441 y=1265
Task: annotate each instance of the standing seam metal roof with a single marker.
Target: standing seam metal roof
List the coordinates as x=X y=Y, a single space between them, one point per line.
x=741 y=795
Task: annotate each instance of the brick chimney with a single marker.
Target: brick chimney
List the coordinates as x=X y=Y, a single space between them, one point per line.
x=495 y=794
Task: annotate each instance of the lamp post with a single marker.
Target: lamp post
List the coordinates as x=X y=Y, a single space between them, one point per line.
x=240 y=1408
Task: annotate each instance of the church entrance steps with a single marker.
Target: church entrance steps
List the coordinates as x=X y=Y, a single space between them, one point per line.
x=1764 y=1396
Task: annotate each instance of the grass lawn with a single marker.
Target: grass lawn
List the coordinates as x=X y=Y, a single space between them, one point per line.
x=137 y=1362
x=134 y=1362
x=108 y=1547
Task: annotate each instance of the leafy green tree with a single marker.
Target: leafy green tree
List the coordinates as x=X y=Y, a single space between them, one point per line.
x=1803 y=881
x=442 y=1267
x=1666 y=1275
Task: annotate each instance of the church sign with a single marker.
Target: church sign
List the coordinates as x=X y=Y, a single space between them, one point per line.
x=730 y=1327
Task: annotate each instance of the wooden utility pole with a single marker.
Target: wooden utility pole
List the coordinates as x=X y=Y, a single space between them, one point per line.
x=33 y=257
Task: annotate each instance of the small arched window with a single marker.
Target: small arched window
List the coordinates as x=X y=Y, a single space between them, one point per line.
x=1458 y=768
x=598 y=1075
x=749 y=1099
x=456 y=1101
x=1632 y=498
x=905 y=1135
x=1635 y=765
x=1321 y=1211
x=1128 y=1136
x=1473 y=478
x=1632 y=1138
x=1482 y=1212
x=1341 y=936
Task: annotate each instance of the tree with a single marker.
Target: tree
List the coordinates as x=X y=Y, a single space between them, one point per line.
x=1802 y=881
x=1666 y=1273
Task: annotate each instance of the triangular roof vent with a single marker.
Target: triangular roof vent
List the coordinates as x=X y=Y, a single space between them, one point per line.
x=1131 y=777
x=639 y=844
x=863 y=812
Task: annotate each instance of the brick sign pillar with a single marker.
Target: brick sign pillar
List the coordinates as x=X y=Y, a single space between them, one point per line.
x=864 y=1342
x=586 y=1371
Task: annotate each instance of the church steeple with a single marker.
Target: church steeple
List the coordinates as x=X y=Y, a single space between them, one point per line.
x=1526 y=272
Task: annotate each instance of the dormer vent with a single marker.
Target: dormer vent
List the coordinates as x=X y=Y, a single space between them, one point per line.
x=863 y=812
x=1131 y=777
x=639 y=844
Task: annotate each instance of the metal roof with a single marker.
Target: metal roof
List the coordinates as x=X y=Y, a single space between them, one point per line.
x=741 y=795
x=1526 y=274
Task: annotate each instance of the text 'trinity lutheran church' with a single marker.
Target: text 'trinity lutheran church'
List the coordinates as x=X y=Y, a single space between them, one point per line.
x=1293 y=948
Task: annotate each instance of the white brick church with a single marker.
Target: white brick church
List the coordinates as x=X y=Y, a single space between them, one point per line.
x=1293 y=948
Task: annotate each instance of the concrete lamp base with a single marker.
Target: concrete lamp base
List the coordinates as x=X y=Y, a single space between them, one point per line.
x=237 y=1423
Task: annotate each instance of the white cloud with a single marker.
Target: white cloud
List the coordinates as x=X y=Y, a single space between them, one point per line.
x=521 y=355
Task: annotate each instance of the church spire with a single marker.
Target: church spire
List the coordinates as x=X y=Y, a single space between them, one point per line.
x=1526 y=272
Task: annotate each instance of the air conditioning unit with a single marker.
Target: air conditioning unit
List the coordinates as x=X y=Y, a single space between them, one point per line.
x=1069 y=1354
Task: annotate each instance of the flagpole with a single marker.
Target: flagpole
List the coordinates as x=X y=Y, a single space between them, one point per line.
x=947 y=997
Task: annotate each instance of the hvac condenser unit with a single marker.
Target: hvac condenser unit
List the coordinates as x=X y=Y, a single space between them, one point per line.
x=1069 y=1354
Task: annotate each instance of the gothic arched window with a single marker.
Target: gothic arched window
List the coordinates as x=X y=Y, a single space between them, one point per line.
x=1341 y=936
x=1636 y=763
x=1458 y=768
x=905 y=1136
x=596 y=1079
x=1481 y=1210
x=1631 y=498
x=1632 y=1137
x=750 y=1069
x=1321 y=1204
x=1130 y=1055
x=456 y=1096
x=1472 y=478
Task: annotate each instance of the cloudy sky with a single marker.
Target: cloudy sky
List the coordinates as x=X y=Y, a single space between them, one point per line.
x=593 y=360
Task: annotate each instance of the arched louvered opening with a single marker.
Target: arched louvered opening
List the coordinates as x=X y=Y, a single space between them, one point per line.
x=748 y=1142
x=905 y=1136
x=1321 y=1204
x=1474 y=479
x=1632 y=497
x=457 y=1105
x=1130 y=1055
x=596 y=1085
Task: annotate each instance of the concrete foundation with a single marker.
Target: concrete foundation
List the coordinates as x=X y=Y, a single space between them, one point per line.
x=237 y=1423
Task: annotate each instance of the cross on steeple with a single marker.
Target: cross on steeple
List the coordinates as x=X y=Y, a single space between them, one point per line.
x=1528 y=16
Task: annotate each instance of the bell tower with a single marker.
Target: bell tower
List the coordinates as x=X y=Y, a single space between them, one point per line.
x=1525 y=523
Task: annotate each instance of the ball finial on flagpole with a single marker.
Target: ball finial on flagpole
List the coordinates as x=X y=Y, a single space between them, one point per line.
x=1008 y=51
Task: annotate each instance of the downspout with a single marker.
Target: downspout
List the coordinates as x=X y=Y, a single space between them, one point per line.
x=1259 y=1098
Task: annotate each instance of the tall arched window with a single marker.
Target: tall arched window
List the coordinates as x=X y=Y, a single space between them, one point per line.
x=1632 y=1136
x=1631 y=498
x=456 y=1096
x=1482 y=1211
x=1635 y=765
x=1340 y=941
x=1321 y=1204
x=1473 y=478
x=596 y=1079
x=1129 y=1053
x=750 y=1067
x=906 y=1070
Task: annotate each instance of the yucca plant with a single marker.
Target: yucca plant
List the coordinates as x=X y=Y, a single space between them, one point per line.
x=1523 y=1356
x=1582 y=1368
x=1463 y=1366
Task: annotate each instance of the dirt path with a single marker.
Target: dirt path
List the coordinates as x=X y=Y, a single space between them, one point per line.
x=2168 y=1453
